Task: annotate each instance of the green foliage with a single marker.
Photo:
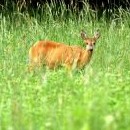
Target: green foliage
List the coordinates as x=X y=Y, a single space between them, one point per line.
x=94 y=99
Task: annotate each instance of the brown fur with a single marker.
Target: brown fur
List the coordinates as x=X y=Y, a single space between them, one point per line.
x=53 y=54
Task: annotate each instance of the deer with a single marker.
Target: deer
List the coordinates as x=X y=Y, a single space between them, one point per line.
x=53 y=54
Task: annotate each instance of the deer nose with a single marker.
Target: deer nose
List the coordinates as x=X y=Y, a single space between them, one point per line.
x=89 y=47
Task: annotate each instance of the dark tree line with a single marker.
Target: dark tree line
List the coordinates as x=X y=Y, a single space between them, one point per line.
x=98 y=5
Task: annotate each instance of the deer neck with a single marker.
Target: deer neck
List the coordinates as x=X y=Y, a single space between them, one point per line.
x=89 y=54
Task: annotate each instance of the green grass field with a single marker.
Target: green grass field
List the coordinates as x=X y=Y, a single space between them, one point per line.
x=97 y=98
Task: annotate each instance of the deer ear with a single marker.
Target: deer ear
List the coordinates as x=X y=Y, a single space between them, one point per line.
x=83 y=35
x=96 y=34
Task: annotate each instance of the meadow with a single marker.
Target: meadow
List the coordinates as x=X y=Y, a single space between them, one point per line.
x=96 y=98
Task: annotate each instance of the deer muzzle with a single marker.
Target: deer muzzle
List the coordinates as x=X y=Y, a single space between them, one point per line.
x=89 y=47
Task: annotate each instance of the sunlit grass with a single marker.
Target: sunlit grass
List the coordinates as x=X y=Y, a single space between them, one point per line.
x=94 y=99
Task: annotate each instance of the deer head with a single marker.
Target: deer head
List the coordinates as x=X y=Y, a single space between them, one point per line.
x=90 y=42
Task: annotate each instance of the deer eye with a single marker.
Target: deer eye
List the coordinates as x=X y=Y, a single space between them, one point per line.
x=94 y=43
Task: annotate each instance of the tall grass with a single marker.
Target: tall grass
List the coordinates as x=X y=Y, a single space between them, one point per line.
x=94 y=99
